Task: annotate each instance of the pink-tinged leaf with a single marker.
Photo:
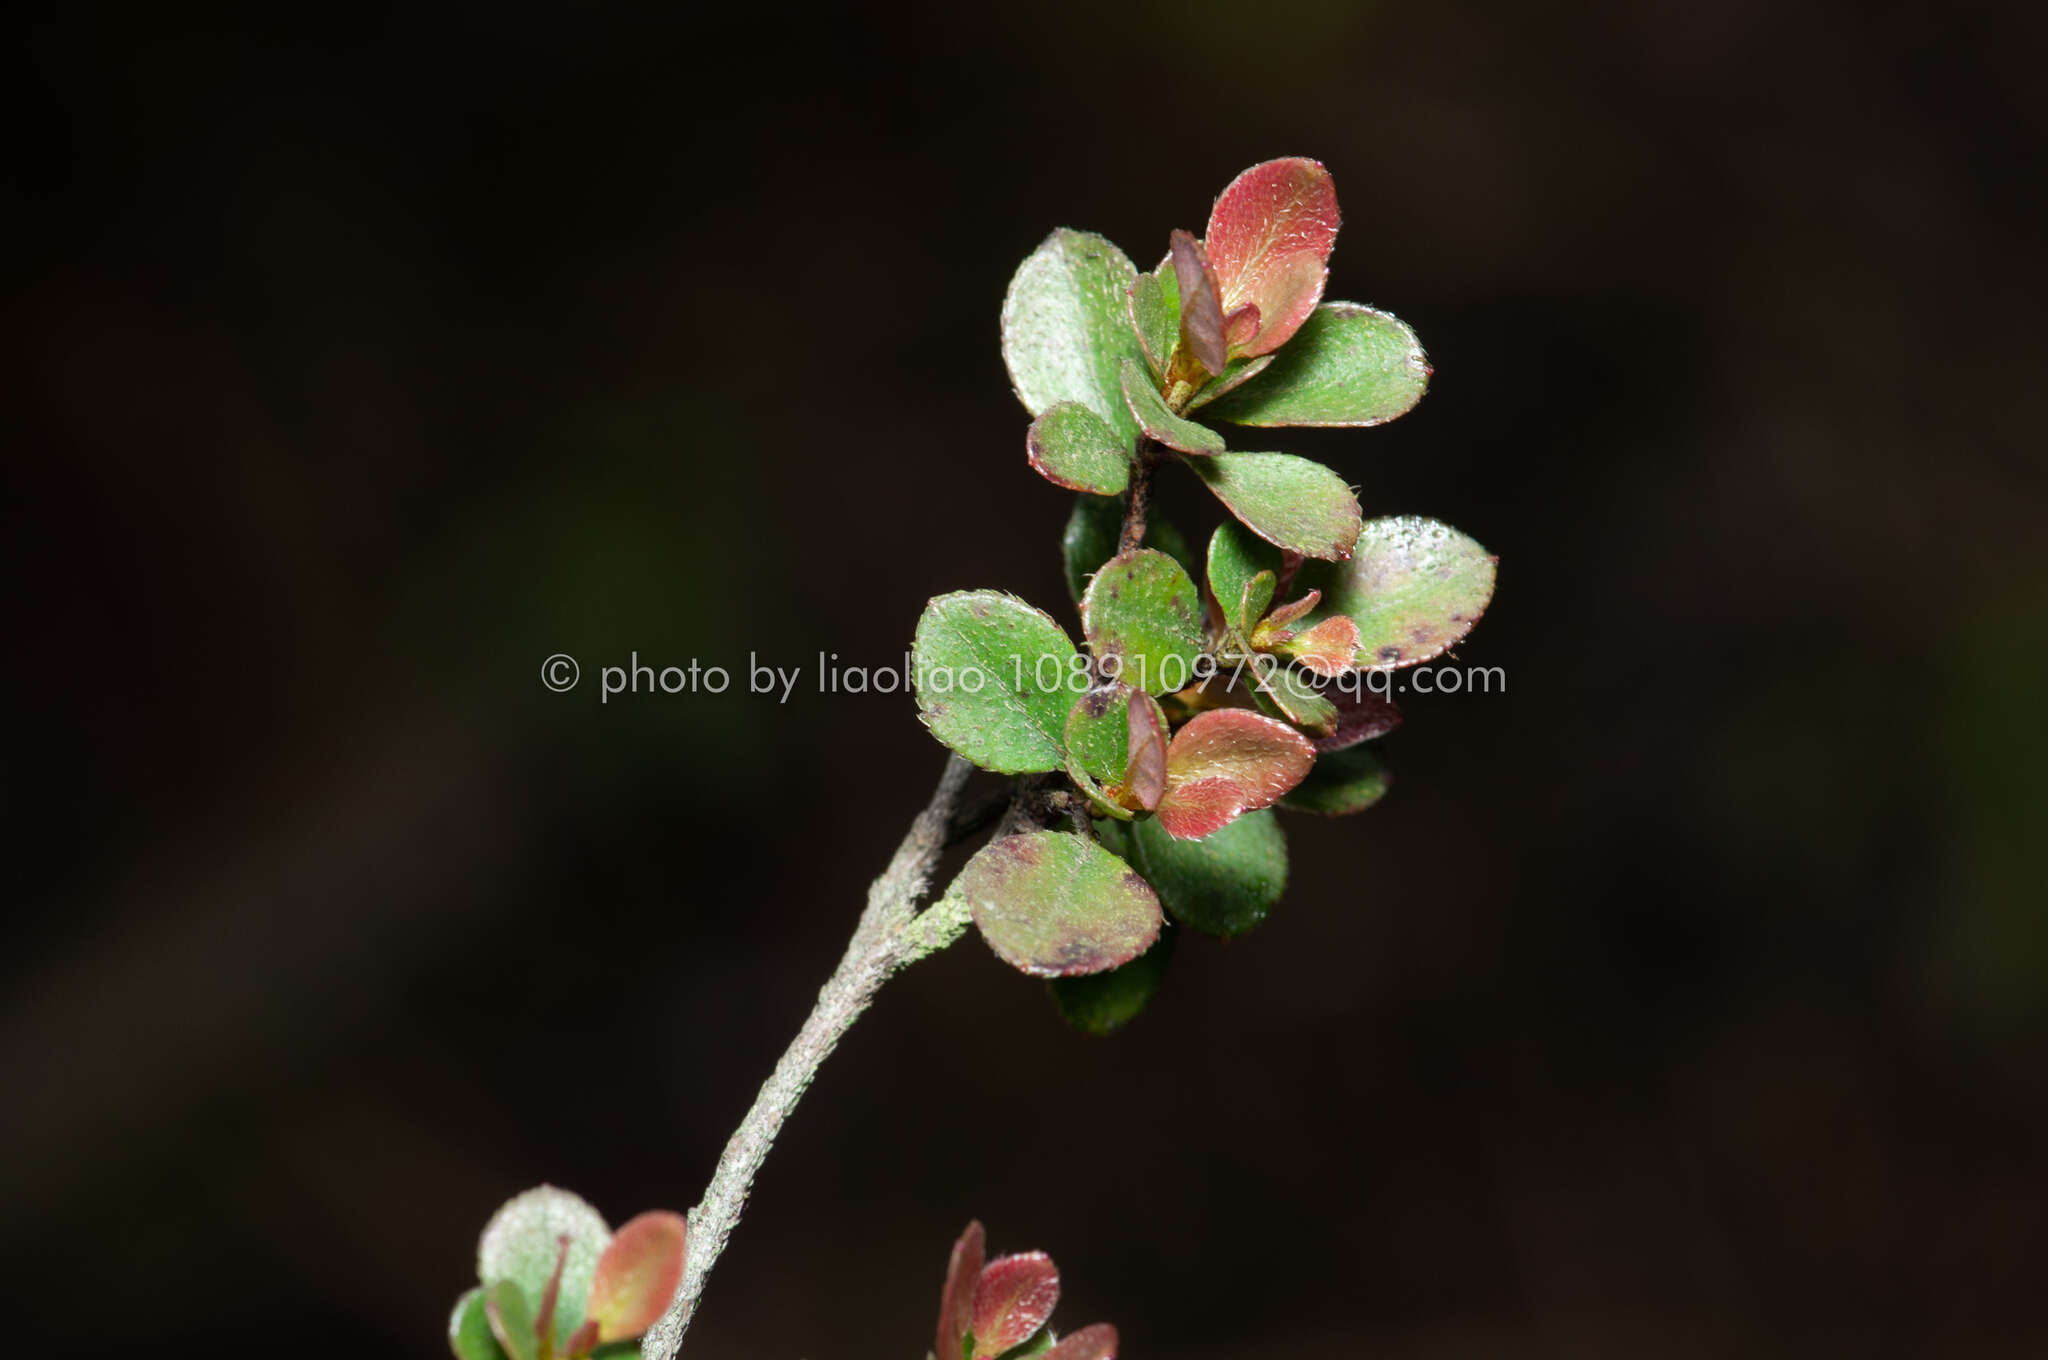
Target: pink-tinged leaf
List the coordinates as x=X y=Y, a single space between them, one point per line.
x=638 y=1275
x=1327 y=648
x=1015 y=1297
x=1201 y=305
x=1227 y=762
x=1284 y=614
x=1053 y=904
x=956 y=1301
x=582 y=1342
x=1096 y=1342
x=1240 y=326
x=1145 y=771
x=1269 y=241
x=1361 y=716
x=544 y=1321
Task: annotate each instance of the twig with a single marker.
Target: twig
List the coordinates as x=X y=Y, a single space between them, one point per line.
x=884 y=941
x=1139 y=501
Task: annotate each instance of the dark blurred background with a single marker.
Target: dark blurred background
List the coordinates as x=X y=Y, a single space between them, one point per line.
x=1691 y=998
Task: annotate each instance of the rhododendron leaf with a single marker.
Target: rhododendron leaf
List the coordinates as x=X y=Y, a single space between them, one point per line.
x=1143 y=618
x=956 y=1300
x=1235 y=374
x=1097 y=1341
x=521 y=1244
x=637 y=1275
x=1067 y=330
x=1288 y=501
x=1342 y=782
x=511 y=1320
x=1226 y=762
x=1238 y=558
x=1091 y=534
x=1350 y=365
x=1362 y=715
x=1269 y=241
x=1201 y=305
x=1052 y=904
x=1149 y=409
x=1221 y=885
x=1413 y=587
x=1015 y=1297
x=469 y=1329
x=1069 y=446
x=1325 y=648
x=1292 y=696
x=1106 y=1002
x=994 y=680
x=1155 y=316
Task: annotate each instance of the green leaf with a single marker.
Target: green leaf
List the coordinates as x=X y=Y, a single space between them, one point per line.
x=1238 y=560
x=1413 y=586
x=1234 y=375
x=1069 y=446
x=638 y=1275
x=1288 y=694
x=469 y=1330
x=520 y=1245
x=1342 y=782
x=1067 y=331
x=511 y=1319
x=1091 y=535
x=1155 y=316
x=1350 y=365
x=1155 y=419
x=1143 y=610
x=1294 y=503
x=1106 y=1002
x=1103 y=732
x=994 y=680
x=1223 y=884
x=1052 y=904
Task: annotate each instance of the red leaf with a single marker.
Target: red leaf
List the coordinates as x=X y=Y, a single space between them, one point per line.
x=582 y=1341
x=1145 y=768
x=1226 y=762
x=956 y=1302
x=1283 y=614
x=1328 y=649
x=1269 y=242
x=1201 y=306
x=544 y=1321
x=1240 y=326
x=1361 y=716
x=638 y=1275
x=1097 y=1342
x=1015 y=1297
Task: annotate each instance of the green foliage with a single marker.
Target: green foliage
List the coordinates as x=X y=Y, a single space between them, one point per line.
x=1342 y=782
x=1149 y=409
x=1222 y=885
x=1348 y=365
x=547 y=1257
x=1413 y=587
x=1143 y=618
x=1070 y=446
x=1243 y=571
x=1055 y=904
x=1067 y=330
x=1105 y=1002
x=994 y=679
x=1290 y=502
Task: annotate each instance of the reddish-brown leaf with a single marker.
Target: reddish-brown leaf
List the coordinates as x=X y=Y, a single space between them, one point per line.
x=1201 y=304
x=1015 y=1297
x=1269 y=241
x=1145 y=771
x=1328 y=648
x=1096 y=1342
x=1226 y=762
x=956 y=1301
x=1284 y=614
x=638 y=1275
x=1361 y=716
